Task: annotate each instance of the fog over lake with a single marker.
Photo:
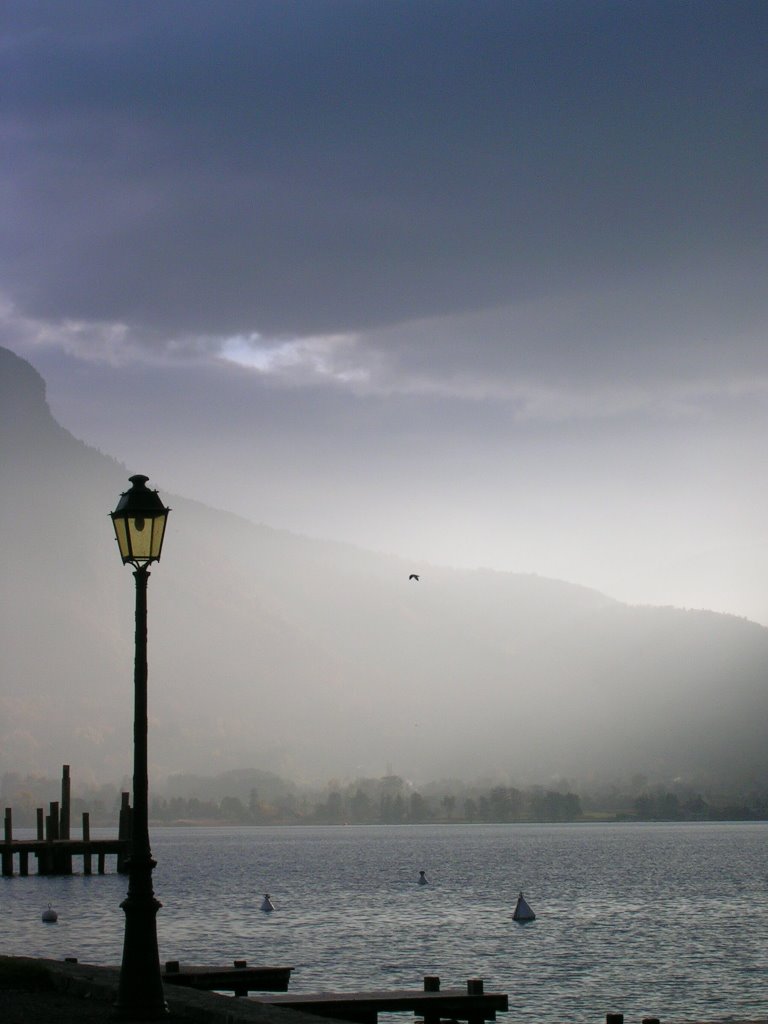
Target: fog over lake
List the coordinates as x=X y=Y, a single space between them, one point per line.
x=313 y=658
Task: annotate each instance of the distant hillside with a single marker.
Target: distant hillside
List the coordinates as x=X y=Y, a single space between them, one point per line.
x=273 y=651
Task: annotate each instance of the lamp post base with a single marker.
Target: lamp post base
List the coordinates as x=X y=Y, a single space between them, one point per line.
x=140 y=993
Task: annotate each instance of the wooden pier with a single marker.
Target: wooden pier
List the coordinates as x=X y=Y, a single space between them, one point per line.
x=75 y=983
x=473 y=1005
x=240 y=979
x=54 y=846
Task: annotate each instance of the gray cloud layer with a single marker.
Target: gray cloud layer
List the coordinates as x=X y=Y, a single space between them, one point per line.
x=496 y=269
x=314 y=167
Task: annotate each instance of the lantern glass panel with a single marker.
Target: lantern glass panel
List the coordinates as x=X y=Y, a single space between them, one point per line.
x=158 y=530
x=140 y=537
x=122 y=538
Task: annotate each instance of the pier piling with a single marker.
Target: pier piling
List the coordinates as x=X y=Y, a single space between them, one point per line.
x=54 y=846
x=7 y=856
x=65 y=803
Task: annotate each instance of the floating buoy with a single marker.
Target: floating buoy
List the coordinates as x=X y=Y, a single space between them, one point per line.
x=423 y=880
x=266 y=904
x=522 y=911
x=50 y=916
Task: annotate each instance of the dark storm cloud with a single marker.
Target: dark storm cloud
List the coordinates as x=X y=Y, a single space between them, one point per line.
x=314 y=167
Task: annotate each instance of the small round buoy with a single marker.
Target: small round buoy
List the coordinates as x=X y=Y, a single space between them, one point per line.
x=50 y=916
x=266 y=904
x=423 y=880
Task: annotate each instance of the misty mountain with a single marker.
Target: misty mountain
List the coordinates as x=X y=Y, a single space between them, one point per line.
x=272 y=651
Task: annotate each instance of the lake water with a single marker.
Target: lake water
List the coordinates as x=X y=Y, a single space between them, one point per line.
x=667 y=920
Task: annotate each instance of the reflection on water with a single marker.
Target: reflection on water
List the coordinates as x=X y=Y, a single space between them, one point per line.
x=662 y=920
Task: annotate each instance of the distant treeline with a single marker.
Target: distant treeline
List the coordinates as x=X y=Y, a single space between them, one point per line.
x=260 y=798
x=390 y=802
x=666 y=806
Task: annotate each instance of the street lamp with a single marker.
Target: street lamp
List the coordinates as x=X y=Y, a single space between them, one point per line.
x=139 y=522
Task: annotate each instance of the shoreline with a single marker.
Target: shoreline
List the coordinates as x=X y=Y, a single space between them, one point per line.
x=40 y=991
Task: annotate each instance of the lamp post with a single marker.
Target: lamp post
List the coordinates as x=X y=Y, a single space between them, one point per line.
x=139 y=522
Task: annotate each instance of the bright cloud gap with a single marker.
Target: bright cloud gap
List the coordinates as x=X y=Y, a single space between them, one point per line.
x=323 y=356
x=345 y=360
x=365 y=364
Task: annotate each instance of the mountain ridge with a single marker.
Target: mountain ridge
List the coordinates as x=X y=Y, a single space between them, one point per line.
x=301 y=656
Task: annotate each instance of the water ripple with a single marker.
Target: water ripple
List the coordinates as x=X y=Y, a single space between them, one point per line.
x=661 y=920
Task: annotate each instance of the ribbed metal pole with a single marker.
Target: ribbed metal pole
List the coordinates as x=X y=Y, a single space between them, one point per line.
x=140 y=992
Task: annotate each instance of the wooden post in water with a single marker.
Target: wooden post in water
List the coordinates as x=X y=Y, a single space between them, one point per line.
x=52 y=821
x=87 y=866
x=475 y=987
x=7 y=856
x=241 y=991
x=58 y=855
x=23 y=863
x=431 y=984
x=124 y=831
x=41 y=859
x=51 y=834
x=64 y=866
x=66 y=790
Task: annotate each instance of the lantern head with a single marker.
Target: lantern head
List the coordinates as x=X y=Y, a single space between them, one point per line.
x=139 y=522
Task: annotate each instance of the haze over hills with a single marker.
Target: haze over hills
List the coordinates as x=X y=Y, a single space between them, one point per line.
x=313 y=658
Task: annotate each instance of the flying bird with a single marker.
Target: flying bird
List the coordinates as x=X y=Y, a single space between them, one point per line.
x=414 y=576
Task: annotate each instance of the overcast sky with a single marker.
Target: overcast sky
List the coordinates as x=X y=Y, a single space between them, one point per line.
x=480 y=282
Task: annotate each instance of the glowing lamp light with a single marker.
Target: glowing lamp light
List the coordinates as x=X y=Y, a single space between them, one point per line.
x=139 y=522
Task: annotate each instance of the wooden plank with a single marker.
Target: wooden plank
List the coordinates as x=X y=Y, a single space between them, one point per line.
x=239 y=980
x=363 y=1007
x=72 y=846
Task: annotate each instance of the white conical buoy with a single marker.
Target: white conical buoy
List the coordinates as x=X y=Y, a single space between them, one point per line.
x=522 y=911
x=266 y=904
x=423 y=880
x=50 y=916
